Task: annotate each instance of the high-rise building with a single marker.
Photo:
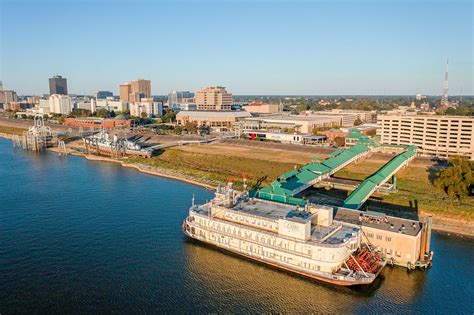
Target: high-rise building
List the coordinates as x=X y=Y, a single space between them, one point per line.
x=125 y=90
x=135 y=90
x=60 y=104
x=57 y=85
x=213 y=98
x=141 y=86
x=7 y=96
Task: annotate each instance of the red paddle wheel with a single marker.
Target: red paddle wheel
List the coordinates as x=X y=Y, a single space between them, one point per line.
x=365 y=260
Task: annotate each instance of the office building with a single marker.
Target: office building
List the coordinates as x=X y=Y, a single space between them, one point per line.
x=180 y=97
x=135 y=90
x=213 y=98
x=176 y=107
x=215 y=120
x=57 y=85
x=8 y=96
x=60 y=104
x=438 y=136
x=141 y=86
x=103 y=94
x=148 y=106
x=110 y=104
x=124 y=91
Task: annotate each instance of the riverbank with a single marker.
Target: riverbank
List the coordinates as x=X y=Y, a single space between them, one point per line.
x=194 y=165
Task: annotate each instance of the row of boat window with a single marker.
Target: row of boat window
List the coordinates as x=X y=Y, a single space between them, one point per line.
x=258 y=237
x=259 y=251
x=248 y=220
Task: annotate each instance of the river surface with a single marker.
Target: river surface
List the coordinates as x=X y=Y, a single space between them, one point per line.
x=79 y=236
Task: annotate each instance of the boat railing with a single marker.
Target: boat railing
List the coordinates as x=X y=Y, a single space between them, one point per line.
x=350 y=277
x=266 y=232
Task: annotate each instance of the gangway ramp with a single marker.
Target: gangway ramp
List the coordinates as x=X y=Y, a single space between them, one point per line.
x=357 y=198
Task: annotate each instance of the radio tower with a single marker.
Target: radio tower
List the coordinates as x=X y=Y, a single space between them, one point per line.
x=444 y=98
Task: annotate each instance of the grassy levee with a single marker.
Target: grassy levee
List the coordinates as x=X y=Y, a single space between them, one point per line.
x=12 y=130
x=414 y=188
x=215 y=167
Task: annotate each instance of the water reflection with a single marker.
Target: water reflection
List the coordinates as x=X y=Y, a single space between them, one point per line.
x=233 y=279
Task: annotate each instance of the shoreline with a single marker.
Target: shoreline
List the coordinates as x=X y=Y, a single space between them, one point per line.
x=444 y=225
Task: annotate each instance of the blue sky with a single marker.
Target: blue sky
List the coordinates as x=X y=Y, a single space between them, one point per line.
x=252 y=47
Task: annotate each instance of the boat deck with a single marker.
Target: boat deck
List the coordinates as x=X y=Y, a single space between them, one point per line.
x=334 y=234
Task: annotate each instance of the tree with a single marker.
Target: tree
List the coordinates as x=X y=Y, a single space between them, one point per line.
x=458 y=179
x=190 y=127
x=358 y=122
x=340 y=141
x=102 y=113
x=371 y=132
x=169 y=116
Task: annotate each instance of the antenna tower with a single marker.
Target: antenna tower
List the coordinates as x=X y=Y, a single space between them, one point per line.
x=444 y=98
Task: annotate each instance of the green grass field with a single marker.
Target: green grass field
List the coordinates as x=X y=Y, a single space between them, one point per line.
x=414 y=186
x=415 y=190
x=217 y=168
x=11 y=130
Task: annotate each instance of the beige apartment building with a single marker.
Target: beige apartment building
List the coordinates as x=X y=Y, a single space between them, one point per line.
x=440 y=136
x=135 y=90
x=213 y=98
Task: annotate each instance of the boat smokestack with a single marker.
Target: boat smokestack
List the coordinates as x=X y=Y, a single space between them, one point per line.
x=230 y=183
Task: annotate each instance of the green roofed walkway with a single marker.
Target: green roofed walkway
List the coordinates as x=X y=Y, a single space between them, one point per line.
x=287 y=185
x=368 y=186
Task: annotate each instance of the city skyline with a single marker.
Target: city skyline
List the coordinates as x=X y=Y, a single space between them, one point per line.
x=272 y=48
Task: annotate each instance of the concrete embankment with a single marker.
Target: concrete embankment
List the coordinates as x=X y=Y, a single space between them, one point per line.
x=144 y=169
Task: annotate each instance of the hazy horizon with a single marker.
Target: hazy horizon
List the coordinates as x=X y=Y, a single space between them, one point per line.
x=337 y=48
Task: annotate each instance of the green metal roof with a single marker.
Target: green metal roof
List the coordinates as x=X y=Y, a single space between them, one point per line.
x=337 y=152
x=286 y=184
x=355 y=199
x=288 y=175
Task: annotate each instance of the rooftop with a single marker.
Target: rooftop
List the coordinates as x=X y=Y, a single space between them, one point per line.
x=378 y=220
x=283 y=117
x=213 y=114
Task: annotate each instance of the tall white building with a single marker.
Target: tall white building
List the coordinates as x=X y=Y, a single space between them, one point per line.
x=60 y=104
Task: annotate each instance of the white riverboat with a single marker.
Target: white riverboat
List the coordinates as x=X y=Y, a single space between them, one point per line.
x=302 y=240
